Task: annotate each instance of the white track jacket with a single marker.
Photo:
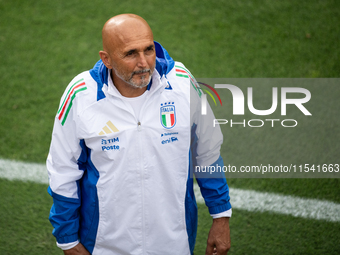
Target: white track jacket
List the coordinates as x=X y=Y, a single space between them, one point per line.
x=122 y=184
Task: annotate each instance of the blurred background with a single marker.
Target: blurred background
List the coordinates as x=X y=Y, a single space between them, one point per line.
x=44 y=44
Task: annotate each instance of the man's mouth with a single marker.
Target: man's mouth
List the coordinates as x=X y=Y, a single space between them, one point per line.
x=141 y=72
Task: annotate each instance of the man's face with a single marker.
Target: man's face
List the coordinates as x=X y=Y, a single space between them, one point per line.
x=133 y=60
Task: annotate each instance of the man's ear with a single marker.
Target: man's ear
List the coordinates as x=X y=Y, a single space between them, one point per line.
x=105 y=57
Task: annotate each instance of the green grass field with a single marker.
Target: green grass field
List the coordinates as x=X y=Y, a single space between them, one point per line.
x=44 y=44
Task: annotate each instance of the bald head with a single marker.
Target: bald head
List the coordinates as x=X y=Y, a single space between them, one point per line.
x=122 y=28
x=129 y=50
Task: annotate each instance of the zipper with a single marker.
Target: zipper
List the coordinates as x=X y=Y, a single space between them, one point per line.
x=141 y=165
x=142 y=176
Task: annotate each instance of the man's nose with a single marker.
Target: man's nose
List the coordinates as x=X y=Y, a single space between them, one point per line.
x=142 y=60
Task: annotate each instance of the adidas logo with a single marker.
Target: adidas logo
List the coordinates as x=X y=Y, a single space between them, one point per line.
x=109 y=128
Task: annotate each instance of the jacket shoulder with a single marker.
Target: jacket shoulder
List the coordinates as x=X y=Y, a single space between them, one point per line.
x=184 y=76
x=79 y=93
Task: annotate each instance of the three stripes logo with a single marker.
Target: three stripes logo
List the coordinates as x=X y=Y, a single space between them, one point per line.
x=68 y=100
x=183 y=72
x=109 y=128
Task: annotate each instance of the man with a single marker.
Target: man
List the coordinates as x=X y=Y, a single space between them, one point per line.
x=123 y=143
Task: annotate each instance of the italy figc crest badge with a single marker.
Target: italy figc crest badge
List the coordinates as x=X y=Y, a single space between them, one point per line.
x=168 y=115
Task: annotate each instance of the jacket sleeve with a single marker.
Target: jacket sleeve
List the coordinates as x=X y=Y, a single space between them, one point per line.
x=64 y=175
x=205 y=147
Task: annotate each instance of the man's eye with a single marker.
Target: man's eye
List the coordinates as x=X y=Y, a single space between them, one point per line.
x=149 y=50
